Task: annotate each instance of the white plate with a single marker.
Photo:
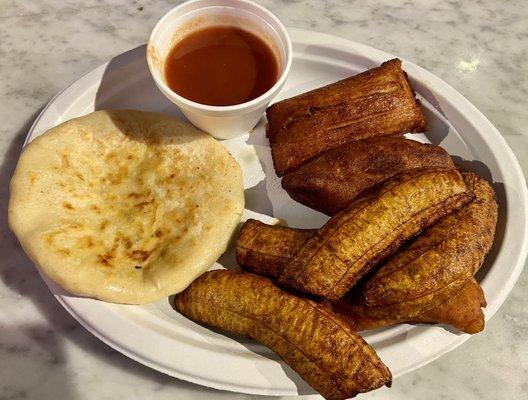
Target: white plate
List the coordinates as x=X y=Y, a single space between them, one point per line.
x=157 y=336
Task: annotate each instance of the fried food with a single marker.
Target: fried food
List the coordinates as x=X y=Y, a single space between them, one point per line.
x=442 y=249
x=266 y=249
x=125 y=206
x=377 y=102
x=309 y=337
x=355 y=240
x=331 y=181
x=438 y=263
x=463 y=311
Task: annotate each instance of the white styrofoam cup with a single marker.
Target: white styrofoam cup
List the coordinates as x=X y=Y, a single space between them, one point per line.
x=222 y=122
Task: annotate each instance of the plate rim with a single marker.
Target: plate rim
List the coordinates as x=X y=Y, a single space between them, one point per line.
x=448 y=93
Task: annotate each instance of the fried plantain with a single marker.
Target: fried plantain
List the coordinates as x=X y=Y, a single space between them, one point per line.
x=265 y=249
x=377 y=102
x=436 y=265
x=462 y=311
x=459 y=306
x=355 y=240
x=331 y=181
x=309 y=337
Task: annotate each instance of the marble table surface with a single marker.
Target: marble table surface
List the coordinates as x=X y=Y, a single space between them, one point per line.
x=479 y=47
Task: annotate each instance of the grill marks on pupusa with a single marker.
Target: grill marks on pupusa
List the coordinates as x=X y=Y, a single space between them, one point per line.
x=135 y=196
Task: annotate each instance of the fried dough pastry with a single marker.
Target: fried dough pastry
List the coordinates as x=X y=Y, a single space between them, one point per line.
x=438 y=263
x=355 y=240
x=377 y=102
x=309 y=337
x=463 y=311
x=331 y=181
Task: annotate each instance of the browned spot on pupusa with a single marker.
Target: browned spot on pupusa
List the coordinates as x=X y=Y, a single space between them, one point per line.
x=67 y=205
x=32 y=177
x=101 y=258
x=136 y=195
x=118 y=176
x=110 y=157
x=144 y=204
x=85 y=135
x=65 y=160
x=86 y=241
x=49 y=239
x=103 y=225
x=140 y=255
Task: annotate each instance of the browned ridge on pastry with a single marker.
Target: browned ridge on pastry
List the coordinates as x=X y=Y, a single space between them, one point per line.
x=355 y=240
x=463 y=311
x=309 y=337
x=438 y=263
x=331 y=181
x=377 y=102
x=265 y=249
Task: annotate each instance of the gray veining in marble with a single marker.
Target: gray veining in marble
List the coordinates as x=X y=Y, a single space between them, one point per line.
x=479 y=47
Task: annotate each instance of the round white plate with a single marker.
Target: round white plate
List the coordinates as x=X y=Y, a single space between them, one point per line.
x=157 y=336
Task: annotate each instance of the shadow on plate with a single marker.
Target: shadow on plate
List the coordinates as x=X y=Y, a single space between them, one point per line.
x=127 y=83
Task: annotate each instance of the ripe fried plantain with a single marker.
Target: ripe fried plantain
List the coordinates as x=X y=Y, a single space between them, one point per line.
x=437 y=264
x=331 y=181
x=309 y=337
x=377 y=102
x=265 y=249
x=355 y=240
x=462 y=311
x=458 y=306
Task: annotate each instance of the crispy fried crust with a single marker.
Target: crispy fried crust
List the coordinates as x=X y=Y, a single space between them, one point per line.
x=355 y=240
x=462 y=311
x=309 y=337
x=331 y=181
x=437 y=264
x=377 y=102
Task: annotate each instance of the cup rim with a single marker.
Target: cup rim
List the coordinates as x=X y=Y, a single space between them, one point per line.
x=235 y=107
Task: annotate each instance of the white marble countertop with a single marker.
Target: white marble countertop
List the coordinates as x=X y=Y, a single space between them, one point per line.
x=479 y=47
